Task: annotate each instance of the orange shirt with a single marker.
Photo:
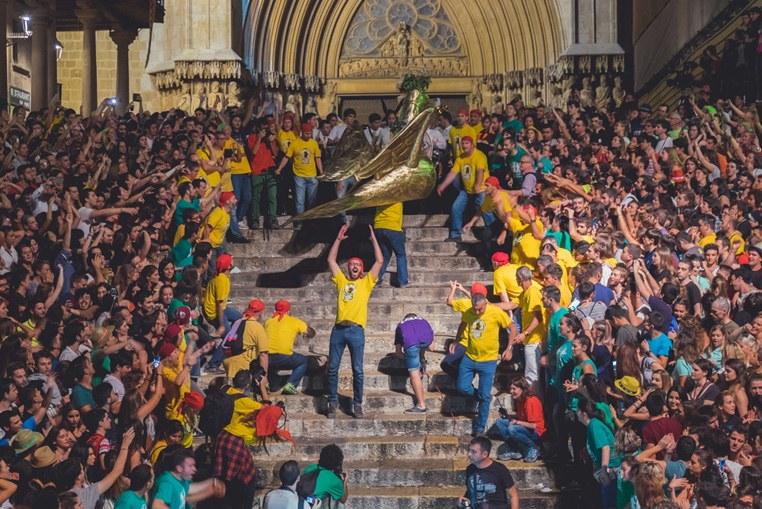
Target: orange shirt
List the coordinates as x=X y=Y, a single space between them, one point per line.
x=532 y=413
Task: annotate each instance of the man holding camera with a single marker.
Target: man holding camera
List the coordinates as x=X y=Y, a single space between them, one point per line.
x=262 y=148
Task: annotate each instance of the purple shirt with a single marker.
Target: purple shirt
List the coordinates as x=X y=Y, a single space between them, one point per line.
x=414 y=332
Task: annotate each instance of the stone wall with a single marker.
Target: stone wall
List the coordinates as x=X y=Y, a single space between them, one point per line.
x=70 y=66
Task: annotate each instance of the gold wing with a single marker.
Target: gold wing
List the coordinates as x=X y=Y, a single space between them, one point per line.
x=352 y=152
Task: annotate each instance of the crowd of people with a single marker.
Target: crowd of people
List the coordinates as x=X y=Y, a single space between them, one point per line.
x=626 y=246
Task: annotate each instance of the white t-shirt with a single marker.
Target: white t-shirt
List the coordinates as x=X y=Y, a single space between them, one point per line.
x=337 y=132
x=84 y=219
x=8 y=256
x=116 y=384
x=378 y=138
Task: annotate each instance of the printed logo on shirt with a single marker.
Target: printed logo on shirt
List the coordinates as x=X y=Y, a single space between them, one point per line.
x=466 y=172
x=478 y=328
x=305 y=156
x=287 y=144
x=349 y=292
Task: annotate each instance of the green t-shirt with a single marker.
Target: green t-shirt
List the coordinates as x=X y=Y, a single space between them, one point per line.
x=554 y=334
x=194 y=204
x=182 y=254
x=564 y=356
x=599 y=436
x=327 y=483
x=515 y=125
x=131 y=500
x=171 y=490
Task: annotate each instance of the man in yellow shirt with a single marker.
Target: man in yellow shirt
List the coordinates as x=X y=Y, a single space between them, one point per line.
x=307 y=165
x=475 y=121
x=533 y=328
x=254 y=347
x=483 y=322
x=391 y=237
x=505 y=285
x=353 y=291
x=473 y=171
x=282 y=330
x=240 y=175
x=216 y=309
x=460 y=130
x=217 y=227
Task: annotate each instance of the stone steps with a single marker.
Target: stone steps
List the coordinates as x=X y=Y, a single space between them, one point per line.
x=321 y=280
x=327 y=308
x=304 y=297
x=431 y=262
x=444 y=323
x=315 y=233
x=413 y=247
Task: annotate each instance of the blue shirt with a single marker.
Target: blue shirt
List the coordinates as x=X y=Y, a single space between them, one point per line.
x=660 y=345
x=602 y=294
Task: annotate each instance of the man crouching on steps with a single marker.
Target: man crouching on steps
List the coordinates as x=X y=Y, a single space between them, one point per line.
x=354 y=291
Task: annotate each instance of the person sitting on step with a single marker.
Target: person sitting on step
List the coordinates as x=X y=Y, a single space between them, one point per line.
x=255 y=344
x=524 y=433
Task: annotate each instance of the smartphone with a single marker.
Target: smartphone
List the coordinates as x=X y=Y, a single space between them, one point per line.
x=112 y=101
x=136 y=98
x=156 y=361
x=228 y=153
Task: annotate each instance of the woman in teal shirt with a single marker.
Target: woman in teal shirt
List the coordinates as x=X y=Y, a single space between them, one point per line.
x=600 y=446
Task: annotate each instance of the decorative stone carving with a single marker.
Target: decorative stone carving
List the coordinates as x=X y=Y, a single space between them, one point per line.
x=497 y=104
x=186 y=98
x=587 y=94
x=293 y=104
x=618 y=93
x=601 y=64
x=475 y=98
x=556 y=99
x=215 y=98
x=584 y=64
x=232 y=98
x=327 y=102
x=603 y=94
x=568 y=90
x=310 y=106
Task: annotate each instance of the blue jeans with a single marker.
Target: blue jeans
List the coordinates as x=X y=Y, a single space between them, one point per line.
x=296 y=362
x=459 y=208
x=229 y=317
x=353 y=337
x=305 y=186
x=393 y=241
x=242 y=190
x=451 y=362
x=486 y=371
x=519 y=438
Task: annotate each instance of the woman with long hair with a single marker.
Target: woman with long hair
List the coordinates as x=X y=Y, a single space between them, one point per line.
x=734 y=381
x=686 y=354
x=704 y=392
x=524 y=433
x=600 y=446
x=649 y=484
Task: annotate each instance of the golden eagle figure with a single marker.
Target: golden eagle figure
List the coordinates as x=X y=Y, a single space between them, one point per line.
x=400 y=172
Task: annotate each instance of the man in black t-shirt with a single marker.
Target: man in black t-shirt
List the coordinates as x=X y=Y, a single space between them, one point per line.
x=488 y=484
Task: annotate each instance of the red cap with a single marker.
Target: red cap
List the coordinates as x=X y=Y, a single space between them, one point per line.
x=224 y=262
x=225 y=197
x=281 y=308
x=171 y=332
x=194 y=400
x=255 y=306
x=478 y=289
x=467 y=138
x=493 y=181
x=183 y=315
x=463 y=111
x=306 y=128
x=166 y=349
x=475 y=111
x=500 y=258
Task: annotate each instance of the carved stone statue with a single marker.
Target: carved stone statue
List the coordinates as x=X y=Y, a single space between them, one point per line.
x=232 y=96
x=476 y=98
x=618 y=92
x=603 y=94
x=186 y=99
x=568 y=91
x=556 y=98
x=497 y=104
x=215 y=96
x=293 y=105
x=327 y=102
x=200 y=99
x=310 y=106
x=587 y=94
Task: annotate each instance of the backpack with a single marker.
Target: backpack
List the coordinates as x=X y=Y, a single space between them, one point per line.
x=307 y=484
x=217 y=411
x=234 y=338
x=271 y=421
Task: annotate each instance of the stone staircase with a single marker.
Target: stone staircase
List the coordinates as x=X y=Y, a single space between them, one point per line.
x=393 y=459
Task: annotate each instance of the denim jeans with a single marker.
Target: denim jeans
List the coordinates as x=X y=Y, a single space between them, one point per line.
x=486 y=371
x=393 y=241
x=242 y=190
x=519 y=438
x=305 y=186
x=459 y=208
x=451 y=362
x=229 y=317
x=296 y=362
x=353 y=337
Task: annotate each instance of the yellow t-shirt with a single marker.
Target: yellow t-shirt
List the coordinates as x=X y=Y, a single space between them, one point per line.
x=484 y=332
x=254 y=343
x=457 y=134
x=389 y=217
x=217 y=290
x=531 y=302
x=282 y=333
x=238 y=167
x=174 y=394
x=468 y=166
x=303 y=154
x=240 y=424
x=353 y=298
x=736 y=239
x=461 y=306
x=218 y=222
x=502 y=205
x=285 y=139
x=709 y=239
x=504 y=280
x=478 y=128
x=214 y=178
x=526 y=247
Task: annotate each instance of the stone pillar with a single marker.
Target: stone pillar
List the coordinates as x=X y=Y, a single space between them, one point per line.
x=89 y=72
x=39 y=60
x=52 y=57
x=123 y=38
x=592 y=25
x=4 y=53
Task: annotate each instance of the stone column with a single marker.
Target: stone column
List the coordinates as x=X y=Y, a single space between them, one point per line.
x=4 y=53
x=52 y=57
x=123 y=38
x=592 y=25
x=39 y=60
x=89 y=72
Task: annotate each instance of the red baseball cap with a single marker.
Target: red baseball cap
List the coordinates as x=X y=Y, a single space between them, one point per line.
x=478 y=289
x=493 y=181
x=307 y=128
x=500 y=258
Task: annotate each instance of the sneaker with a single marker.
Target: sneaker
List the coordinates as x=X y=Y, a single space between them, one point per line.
x=357 y=411
x=243 y=225
x=532 y=455
x=288 y=390
x=416 y=410
x=235 y=270
x=511 y=455
x=331 y=410
x=209 y=370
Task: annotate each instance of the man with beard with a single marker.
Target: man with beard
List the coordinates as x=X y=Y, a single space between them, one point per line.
x=354 y=291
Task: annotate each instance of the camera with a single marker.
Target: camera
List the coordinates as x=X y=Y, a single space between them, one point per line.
x=228 y=153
